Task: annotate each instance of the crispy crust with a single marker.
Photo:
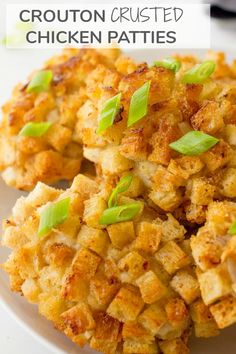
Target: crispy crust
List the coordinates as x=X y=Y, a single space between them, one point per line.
x=58 y=154
x=136 y=286
x=95 y=284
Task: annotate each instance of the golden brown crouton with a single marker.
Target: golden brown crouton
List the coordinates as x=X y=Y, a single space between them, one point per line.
x=172 y=257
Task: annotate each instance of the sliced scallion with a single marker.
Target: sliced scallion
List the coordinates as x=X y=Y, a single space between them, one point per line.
x=120 y=213
x=40 y=81
x=108 y=113
x=169 y=63
x=199 y=73
x=121 y=187
x=194 y=143
x=232 y=229
x=33 y=129
x=54 y=215
x=139 y=104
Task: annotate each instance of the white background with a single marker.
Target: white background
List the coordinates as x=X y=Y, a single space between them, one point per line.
x=14 y=339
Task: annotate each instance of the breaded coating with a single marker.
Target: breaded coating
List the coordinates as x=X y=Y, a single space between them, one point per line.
x=173 y=182
x=80 y=77
x=139 y=285
x=96 y=283
x=214 y=252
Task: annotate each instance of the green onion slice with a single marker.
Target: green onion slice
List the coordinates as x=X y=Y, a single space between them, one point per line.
x=120 y=213
x=232 y=229
x=139 y=104
x=194 y=143
x=53 y=216
x=199 y=73
x=169 y=63
x=40 y=81
x=35 y=129
x=109 y=112
x=121 y=187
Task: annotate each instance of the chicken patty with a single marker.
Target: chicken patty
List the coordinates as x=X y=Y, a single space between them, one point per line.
x=127 y=286
x=27 y=157
x=83 y=82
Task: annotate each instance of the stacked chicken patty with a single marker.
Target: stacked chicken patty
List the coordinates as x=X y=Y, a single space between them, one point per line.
x=131 y=258
x=123 y=288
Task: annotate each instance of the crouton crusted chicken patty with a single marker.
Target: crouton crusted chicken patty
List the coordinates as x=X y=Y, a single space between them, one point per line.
x=112 y=286
x=32 y=151
x=183 y=183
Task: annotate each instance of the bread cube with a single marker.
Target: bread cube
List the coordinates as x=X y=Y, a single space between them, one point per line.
x=92 y=154
x=84 y=186
x=186 y=285
x=202 y=191
x=69 y=105
x=218 y=156
x=22 y=209
x=127 y=304
x=136 y=188
x=139 y=347
x=172 y=257
x=102 y=290
x=41 y=194
x=134 y=145
x=159 y=142
x=185 y=166
x=196 y=213
x=220 y=216
x=70 y=226
x=85 y=263
x=206 y=330
x=13 y=236
x=58 y=136
x=177 y=313
x=83 y=268
x=153 y=318
x=51 y=277
x=121 y=233
x=174 y=346
x=185 y=246
x=224 y=312
x=52 y=306
x=94 y=239
x=125 y=65
x=107 y=328
x=209 y=118
x=78 y=319
x=31 y=290
x=132 y=330
x=167 y=200
x=151 y=287
x=133 y=265
x=112 y=162
x=148 y=237
x=172 y=230
x=229 y=183
x=204 y=324
x=214 y=284
x=103 y=346
x=230 y=134
x=199 y=312
x=206 y=250
x=86 y=126
x=26 y=261
x=93 y=209
x=59 y=254
x=145 y=170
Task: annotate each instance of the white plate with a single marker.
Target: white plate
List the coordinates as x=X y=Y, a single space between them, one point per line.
x=24 y=313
